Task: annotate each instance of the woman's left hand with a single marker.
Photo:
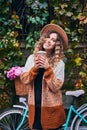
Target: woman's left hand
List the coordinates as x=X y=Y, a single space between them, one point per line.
x=43 y=62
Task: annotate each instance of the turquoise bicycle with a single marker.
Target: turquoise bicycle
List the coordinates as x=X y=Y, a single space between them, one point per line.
x=16 y=118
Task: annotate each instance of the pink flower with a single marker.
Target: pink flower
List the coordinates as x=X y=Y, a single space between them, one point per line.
x=18 y=71
x=14 y=72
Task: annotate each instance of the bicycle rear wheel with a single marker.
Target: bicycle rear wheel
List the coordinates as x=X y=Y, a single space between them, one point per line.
x=10 y=119
x=79 y=124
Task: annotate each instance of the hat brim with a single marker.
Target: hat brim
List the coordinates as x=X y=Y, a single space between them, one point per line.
x=59 y=30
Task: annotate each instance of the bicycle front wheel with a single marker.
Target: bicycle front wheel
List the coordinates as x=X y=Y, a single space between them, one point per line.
x=10 y=119
x=79 y=123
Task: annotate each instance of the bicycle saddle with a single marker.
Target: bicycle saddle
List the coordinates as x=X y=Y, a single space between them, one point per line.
x=75 y=93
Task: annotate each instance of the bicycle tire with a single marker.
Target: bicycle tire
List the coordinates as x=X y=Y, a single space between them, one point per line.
x=79 y=124
x=10 y=119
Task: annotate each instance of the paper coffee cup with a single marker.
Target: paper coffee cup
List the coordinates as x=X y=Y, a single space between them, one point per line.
x=41 y=52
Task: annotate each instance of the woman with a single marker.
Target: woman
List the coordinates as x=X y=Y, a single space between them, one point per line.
x=44 y=78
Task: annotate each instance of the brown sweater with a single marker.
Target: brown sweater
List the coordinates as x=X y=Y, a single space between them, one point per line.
x=52 y=112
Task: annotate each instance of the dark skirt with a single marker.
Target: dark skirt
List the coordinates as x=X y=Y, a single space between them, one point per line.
x=37 y=119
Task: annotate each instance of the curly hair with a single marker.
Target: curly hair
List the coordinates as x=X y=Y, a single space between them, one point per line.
x=58 y=51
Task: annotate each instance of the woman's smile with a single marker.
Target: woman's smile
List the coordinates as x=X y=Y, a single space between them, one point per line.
x=47 y=44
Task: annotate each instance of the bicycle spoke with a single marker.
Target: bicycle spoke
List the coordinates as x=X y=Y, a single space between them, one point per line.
x=11 y=119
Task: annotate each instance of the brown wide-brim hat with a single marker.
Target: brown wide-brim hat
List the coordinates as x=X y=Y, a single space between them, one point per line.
x=58 y=29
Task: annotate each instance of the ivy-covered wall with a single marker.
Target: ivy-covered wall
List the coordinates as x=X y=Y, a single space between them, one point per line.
x=21 y=22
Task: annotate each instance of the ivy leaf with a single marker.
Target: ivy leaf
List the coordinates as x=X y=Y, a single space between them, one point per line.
x=38 y=19
x=44 y=5
x=83 y=74
x=69 y=14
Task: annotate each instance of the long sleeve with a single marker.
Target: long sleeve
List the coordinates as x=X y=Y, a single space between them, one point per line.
x=29 y=63
x=55 y=79
x=30 y=71
x=28 y=77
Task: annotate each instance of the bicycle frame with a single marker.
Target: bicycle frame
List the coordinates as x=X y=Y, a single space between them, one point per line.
x=72 y=109
x=22 y=120
x=25 y=108
x=65 y=126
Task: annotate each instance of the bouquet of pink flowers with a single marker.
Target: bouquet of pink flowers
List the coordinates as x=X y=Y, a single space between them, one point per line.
x=14 y=72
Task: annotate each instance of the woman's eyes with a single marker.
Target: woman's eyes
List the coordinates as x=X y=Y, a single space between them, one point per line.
x=53 y=40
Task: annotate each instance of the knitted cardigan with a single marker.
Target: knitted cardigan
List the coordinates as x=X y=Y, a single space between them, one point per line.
x=52 y=111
